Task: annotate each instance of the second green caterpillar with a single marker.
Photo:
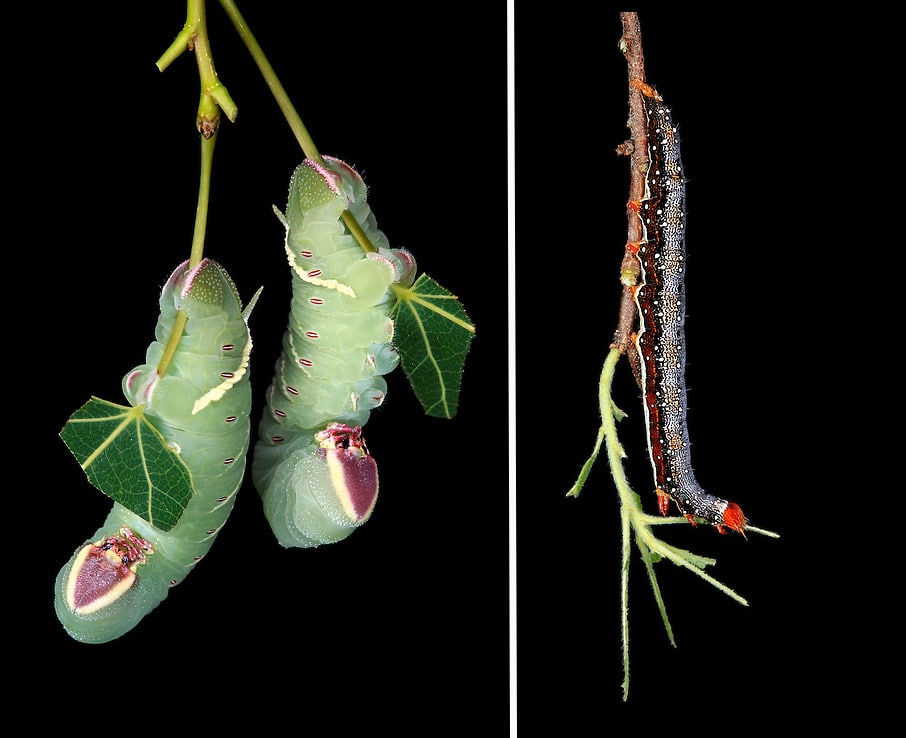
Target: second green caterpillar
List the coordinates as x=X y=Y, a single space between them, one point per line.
x=315 y=476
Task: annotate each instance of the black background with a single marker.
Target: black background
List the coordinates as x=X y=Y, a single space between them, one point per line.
x=405 y=626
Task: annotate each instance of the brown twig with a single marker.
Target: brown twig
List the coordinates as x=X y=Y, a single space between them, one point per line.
x=637 y=149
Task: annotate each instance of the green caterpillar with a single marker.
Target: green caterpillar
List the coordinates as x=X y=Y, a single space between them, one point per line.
x=315 y=476
x=201 y=406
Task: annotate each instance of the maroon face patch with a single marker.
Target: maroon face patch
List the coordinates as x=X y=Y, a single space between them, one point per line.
x=353 y=471
x=102 y=571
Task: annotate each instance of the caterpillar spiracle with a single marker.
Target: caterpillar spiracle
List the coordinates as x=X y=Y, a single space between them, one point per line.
x=311 y=467
x=201 y=405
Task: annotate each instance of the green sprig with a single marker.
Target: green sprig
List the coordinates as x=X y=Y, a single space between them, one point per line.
x=636 y=524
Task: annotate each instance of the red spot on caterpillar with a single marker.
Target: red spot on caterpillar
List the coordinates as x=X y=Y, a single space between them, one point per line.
x=227 y=347
x=312 y=334
x=316 y=300
x=279 y=413
x=277 y=439
x=734 y=518
x=229 y=460
x=314 y=273
x=306 y=254
x=306 y=362
x=230 y=419
x=227 y=375
x=291 y=390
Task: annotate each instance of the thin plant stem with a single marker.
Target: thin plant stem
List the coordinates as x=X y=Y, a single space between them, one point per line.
x=273 y=82
x=198 y=237
x=306 y=142
x=637 y=525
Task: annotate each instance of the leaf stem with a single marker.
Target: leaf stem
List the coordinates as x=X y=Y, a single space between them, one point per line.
x=198 y=238
x=183 y=41
x=270 y=77
x=204 y=199
x=306 y=142
x=625 y=526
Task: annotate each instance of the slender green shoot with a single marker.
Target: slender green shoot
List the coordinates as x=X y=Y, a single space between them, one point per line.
x=636 y=524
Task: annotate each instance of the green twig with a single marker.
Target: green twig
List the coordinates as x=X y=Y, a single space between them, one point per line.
x=270 y=77
x=204 y=199
x=625 y=526
x=214 y=95
x=635 y=523
x=198 y=237
x=288 y=109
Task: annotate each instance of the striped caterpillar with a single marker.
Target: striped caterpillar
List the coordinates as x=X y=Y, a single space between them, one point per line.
x=311 y=468
x=201 y=406
x=660 y=341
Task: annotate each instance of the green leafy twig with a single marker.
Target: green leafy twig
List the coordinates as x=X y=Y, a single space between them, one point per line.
x=636 y=524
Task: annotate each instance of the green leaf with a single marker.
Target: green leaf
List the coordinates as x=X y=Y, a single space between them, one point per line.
x=433 y=335
x=128 y=459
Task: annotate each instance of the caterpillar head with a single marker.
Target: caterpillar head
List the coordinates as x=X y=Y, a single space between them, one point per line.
x=105 y=570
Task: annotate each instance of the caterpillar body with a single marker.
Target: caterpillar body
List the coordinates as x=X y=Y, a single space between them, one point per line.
x=311 y=467
x=201 y=405
x=660 y=341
